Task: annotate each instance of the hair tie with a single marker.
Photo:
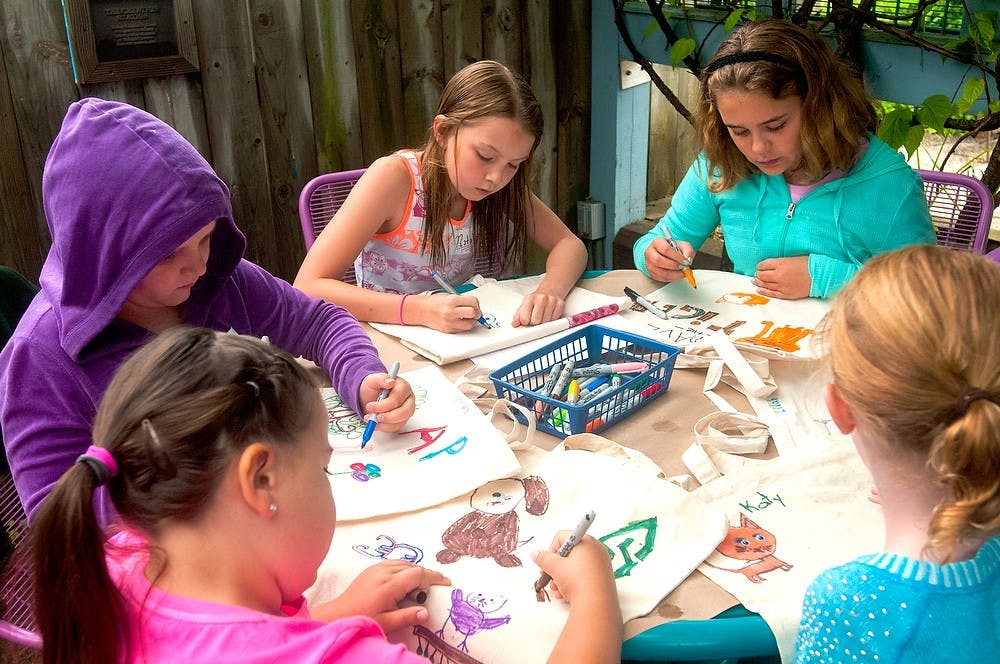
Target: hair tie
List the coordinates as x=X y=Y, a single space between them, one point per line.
x=961 y=404
x=255 y=387
x=748 y=56
x=101 y=462
x=399 y=314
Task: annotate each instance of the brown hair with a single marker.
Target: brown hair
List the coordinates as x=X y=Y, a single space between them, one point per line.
x=478 y=91
x=836 y=110
x=907 y=336
x=174 y=417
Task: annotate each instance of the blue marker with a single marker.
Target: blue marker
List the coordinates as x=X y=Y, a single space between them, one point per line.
x=448 y=288
x=593 y=394
x=592 y=387
x=372 y=420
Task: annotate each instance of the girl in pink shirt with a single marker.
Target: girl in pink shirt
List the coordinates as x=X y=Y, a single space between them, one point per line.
x=214 y=451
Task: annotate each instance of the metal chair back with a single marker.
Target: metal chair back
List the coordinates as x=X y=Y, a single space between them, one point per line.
x=961 y=209
x=323 y=196
x=319 y=201
x=17 y=616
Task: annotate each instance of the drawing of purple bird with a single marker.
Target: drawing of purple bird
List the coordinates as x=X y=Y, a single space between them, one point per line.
x=469 y=615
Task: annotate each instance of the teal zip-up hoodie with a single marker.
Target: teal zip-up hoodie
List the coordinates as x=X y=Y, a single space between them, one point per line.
x=877 y=206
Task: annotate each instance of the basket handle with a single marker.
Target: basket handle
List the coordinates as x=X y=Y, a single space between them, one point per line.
x=476 y=385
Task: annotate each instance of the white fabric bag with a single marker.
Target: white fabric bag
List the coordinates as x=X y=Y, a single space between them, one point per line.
x=499 y=302
x=447 y=449
x=729 y=302
x=655 y=532
x=790 y=518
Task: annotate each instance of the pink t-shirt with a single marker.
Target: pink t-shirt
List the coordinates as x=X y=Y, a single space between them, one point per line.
x=168 y=628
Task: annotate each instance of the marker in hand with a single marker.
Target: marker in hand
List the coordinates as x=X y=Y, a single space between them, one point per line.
x=372 y=418
x=449 y=289
x=567 y=546
x=685 y=265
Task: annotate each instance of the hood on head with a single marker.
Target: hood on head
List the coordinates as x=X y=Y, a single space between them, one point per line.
x=122 y=190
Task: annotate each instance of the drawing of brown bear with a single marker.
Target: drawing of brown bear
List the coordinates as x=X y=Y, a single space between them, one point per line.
x=490 y=529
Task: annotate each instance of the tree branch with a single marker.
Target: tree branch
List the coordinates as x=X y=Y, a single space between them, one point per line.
x=646 y=65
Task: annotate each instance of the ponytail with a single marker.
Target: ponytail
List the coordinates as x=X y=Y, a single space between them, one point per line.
x=921 y=371
x=966 y=458
x=173 y=418
x=79 y=610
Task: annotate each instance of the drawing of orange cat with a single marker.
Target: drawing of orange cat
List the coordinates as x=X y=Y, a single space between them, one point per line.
x=747 y=549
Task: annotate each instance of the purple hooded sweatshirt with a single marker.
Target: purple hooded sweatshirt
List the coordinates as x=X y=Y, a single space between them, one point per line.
x=122 y=190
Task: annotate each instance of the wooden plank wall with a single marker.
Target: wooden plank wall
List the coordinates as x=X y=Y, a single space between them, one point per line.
x=288 y=89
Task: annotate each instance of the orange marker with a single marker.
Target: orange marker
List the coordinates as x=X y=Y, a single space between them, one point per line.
x=685 y=265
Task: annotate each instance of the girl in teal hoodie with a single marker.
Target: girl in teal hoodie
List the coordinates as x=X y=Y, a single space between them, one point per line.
x=803 y=190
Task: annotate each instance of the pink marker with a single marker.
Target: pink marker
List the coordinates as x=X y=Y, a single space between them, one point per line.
x=608 y=369
x=592 y=315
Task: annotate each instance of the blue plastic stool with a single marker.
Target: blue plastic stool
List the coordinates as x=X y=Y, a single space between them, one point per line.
x=734 y=634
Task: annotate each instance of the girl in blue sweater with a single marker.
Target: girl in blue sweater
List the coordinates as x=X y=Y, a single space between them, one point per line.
x=915 y=353
x=803 y=190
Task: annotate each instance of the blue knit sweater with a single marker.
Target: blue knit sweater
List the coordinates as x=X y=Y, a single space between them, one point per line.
x=877 y=206
x=885 y=607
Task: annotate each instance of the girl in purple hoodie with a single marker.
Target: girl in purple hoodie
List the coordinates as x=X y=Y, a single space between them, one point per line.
x=143 y=239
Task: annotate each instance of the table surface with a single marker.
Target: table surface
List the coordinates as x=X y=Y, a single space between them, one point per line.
x=671 y=420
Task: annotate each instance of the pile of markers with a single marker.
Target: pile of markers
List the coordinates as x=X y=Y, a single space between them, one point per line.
x=578 y=386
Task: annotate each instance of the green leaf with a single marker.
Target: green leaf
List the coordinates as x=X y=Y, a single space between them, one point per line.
x=995 y=106
x=934 y=111
x=913 y=138
x=681 y=49
x=895 y=127
x=981 y=29
x=650 y=29
x=971 y=91
x=733 y=18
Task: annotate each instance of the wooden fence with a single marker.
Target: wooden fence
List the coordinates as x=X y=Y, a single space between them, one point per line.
x=288 y=89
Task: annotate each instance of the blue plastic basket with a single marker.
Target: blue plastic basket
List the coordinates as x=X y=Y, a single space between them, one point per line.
x=520 y=381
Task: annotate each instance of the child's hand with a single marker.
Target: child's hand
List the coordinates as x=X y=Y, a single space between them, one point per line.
x=392 y=412
x=537 y=308
x=784 y=278
x=448 y=313
x=377 y=592
x=663 y=263
x=593 y=631
x=584 y=575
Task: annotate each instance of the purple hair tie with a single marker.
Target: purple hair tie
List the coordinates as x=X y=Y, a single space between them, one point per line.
x=101 y=462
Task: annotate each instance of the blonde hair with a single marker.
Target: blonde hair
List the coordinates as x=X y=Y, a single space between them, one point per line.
x=836 y=110
x=909 y=336
x=479 y=91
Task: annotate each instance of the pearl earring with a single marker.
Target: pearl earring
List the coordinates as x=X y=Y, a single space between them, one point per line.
x=273 y=508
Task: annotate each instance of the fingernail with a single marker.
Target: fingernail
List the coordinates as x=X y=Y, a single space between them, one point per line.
x=422 y=614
